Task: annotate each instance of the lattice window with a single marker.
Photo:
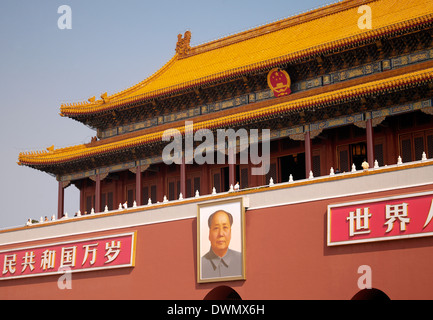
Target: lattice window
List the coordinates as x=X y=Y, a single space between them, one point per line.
x=130 y=197
x=171 y=191
x=153 y=193
x=419 y=147
x=110 y=201
x=188 y=188
x=344 y=159
x=429 y=151
x=107 y=200
x=378 y=154
x=244 y=178
x=406 y=150
x=217 y=182
x=145 y=194
x=272 y=173
x=89 y=204
x=316 y=165
x=196 y=184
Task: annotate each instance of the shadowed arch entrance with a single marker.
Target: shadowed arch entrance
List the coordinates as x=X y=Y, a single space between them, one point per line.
x=222 y=293
x=371 y=294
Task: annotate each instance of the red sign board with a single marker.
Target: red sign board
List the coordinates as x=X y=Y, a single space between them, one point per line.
x=114 y=251
x=389 y=218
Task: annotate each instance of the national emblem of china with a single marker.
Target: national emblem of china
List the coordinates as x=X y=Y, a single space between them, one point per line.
x=279 y=82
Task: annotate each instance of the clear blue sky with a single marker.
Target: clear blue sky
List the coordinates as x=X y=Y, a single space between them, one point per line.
x=112 y=45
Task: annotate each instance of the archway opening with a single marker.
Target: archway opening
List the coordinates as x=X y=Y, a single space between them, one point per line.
x=222 y=293
x=371 y=294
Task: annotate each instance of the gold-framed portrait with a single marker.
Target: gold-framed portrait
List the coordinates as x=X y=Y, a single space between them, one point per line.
x=221 y=241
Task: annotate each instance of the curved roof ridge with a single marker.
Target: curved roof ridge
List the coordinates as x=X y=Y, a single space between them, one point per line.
x=286 y=22
x=119 y=95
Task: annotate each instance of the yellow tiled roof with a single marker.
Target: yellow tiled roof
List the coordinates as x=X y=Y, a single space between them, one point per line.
x=285 y=40
x=56 y=156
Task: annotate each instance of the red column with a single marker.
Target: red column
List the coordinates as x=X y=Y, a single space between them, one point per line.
x=204 y=180
x=138 y=187
x=160 y=193
x=98 y=194
x=232 y=166
x=370 y=145
x=60 y=201
x=308 y=166
x=182 y=178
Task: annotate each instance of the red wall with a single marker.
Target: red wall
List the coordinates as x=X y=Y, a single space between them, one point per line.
x=286 y=258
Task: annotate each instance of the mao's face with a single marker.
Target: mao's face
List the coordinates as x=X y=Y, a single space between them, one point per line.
x=220 y=233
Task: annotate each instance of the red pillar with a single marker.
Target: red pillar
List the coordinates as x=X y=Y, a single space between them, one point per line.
x=370 y=145
x=160 y=193
x=308 y=166
x=138 y=187
x=204 y=180
x=182 y=178
x=60 y=201
x=98 y=194
x=232 y=166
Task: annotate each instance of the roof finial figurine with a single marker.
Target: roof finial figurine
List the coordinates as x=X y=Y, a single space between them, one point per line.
x=104 y=97
x=182 y=45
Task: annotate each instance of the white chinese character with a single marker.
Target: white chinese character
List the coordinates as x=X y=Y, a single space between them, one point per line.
x=29 y=260
x=68 y=257
x=9 y=263
x=359 y=223
x=430 y=215
x=90 y=250
x=48 y=259
x=112 y=251
x=394 y=212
